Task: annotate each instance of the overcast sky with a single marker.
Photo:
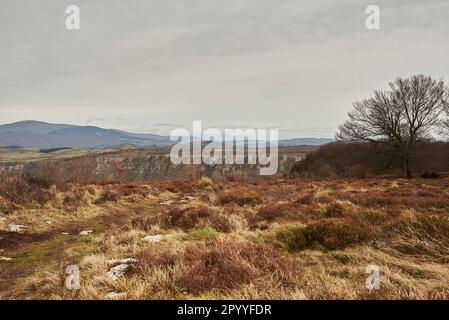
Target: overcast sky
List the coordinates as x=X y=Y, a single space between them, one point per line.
x=150 y=66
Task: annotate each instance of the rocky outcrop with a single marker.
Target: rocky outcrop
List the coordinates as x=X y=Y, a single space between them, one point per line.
x=143 y=166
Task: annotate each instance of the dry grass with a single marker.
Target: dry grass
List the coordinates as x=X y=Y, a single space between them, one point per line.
x=224 y=239
x=219 y=265
x=330 y=234
x=240 y=197
x=195 y=215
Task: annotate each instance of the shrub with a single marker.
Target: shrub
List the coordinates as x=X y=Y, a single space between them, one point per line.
x=108 y=195
x=305 y=199
x=160 y=257
x=177 y=186
x=6 y=206
x=126 y=190
x=330 y=234
x=188 y=217
x=143 y=223
x=373 y=217
x=326 y=171
x=205 y=182
x=357 y=171
x=273 y=212
x=225 y=265
x=283 y=192
x=334 y=234
x=240 y=197
x=218 y=265
x=430 y=175
x=292 y=237
x=193 y=216
x=24 y=189
x=77 y=198
x=220 y=222
x=206 y=234
x=332 y=210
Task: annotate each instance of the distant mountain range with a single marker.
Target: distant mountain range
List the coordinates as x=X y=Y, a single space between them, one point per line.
x=37 y=134
x=304 y=142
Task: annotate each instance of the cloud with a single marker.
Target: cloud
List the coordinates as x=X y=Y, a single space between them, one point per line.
x=95 y=120
x=294 y=63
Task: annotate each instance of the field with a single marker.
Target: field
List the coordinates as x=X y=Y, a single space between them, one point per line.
x=279 y=239
x=28 y=155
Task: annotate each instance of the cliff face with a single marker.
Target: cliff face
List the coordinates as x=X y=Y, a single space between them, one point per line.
x=137 y=167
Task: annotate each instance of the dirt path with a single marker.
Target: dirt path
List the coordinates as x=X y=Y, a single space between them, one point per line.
x=32 y=250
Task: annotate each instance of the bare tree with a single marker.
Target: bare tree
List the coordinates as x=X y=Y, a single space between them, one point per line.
x=444 y=124
x=400 y=117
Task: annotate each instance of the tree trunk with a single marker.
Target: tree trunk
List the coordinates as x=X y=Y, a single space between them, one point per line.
x=406 y=167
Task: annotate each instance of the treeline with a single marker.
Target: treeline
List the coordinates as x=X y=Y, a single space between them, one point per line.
x=430 y=159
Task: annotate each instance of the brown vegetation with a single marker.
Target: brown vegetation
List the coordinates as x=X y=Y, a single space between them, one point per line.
x=285 y=239
x=368 y=160
x=329 y=234
x=23 y=189
x=240 y=197
x=220 y=265
x=191 y=216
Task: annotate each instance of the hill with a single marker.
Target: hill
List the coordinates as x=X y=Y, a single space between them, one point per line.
x=36 y=134
x=43 y=135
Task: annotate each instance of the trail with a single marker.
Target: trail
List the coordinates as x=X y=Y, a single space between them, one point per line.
x=30 y=251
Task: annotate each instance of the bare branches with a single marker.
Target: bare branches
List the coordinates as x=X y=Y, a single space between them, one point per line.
x=399 y=117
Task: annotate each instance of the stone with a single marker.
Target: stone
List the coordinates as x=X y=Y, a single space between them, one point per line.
x=153 y=239
x=121 y=261
x=85 y=232
x=116 y=295
x=6 y=259
x=16 y=227
x=186 y=199
x=376 y=243
x=118 y=271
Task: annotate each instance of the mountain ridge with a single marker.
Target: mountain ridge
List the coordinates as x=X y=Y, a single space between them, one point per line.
x=40 y=134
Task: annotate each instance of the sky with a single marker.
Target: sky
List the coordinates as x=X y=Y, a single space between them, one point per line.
x=152 y=66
